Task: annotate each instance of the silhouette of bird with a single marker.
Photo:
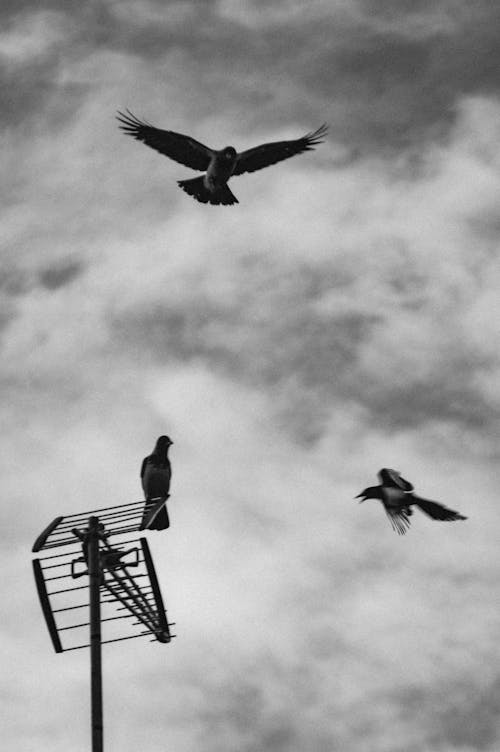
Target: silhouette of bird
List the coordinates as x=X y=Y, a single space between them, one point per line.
x=396 y=494
x=218 y=166
x=156 y=473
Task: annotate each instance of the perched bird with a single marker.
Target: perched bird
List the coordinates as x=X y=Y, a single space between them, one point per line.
x=218 y=166
x=156 y=473
x=396 y=494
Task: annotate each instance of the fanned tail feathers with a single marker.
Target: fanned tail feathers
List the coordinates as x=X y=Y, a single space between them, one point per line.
x=197 y=189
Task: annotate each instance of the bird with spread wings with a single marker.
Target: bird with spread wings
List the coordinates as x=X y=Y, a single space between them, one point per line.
x=397 y=497
x=218 y=166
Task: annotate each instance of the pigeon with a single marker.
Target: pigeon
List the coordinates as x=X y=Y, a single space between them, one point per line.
x=218 y=166
x=396 y=494
x=156 y=473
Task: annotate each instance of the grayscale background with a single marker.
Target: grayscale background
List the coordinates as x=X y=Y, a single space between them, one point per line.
x=343 y=317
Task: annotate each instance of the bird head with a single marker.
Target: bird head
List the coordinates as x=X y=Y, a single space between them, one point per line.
x=164 y=442
x=229 y=153
x=373 y=492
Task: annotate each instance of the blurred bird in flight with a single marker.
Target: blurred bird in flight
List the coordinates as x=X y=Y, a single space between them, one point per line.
x=218 y=166
x=156 y=473
x=396 y=494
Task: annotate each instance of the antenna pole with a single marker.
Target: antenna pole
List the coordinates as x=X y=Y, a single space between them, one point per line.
x=94 y=569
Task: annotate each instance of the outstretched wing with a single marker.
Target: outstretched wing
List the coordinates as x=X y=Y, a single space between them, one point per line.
x=268 y=154
x=437 y=511
x=399 y=520
x=390 y=477
x=183 y=149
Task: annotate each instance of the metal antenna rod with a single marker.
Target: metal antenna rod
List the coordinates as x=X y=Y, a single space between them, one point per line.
x=95 y=635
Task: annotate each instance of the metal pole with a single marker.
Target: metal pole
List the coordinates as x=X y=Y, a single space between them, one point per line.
x=95 y=634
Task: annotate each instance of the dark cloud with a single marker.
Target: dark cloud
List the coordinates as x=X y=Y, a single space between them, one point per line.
x=447 y=396
x=60 y=274
x=277 y=705
x=274 y=337
x=386 y=88
x=6 y=316
x=461 y=715
x=259 y=711
x=399 y=8
x=13 y=281
x=25 y=92
x=393 y=91
x=13 y=10
x=471 y=718
x=30 y=83
x=266 y=337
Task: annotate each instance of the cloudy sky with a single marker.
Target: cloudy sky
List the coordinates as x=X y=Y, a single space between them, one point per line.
x=342 y=317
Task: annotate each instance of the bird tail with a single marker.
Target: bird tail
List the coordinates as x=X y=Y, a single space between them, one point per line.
x=437 y=511
x=155 y=515
x=196 y=187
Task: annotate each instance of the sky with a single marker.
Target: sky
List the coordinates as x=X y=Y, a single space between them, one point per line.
x=343 y=317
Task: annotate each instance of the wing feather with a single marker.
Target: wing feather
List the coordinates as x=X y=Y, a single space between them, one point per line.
x=399 y=520
x=276 y=151
x=390 y=477
x=178 y=147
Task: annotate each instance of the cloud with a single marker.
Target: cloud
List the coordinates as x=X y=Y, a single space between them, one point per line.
x=59 y=275
x=399 y=339
x=31 y=37
x=341 y=318
x=384 y=78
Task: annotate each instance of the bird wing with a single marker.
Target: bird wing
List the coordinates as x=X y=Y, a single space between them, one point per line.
x=399 y=520
x=390 y=477
x=183 y=149
x=268 y=154
x=437 y=511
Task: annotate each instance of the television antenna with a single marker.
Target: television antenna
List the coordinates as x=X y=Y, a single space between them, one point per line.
x=120 y=589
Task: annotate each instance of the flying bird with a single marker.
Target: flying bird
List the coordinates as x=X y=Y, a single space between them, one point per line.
x=396 y=494
x=218 y=166
x=156 y=473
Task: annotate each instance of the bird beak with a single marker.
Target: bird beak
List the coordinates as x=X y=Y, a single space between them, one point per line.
x=360 y=496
